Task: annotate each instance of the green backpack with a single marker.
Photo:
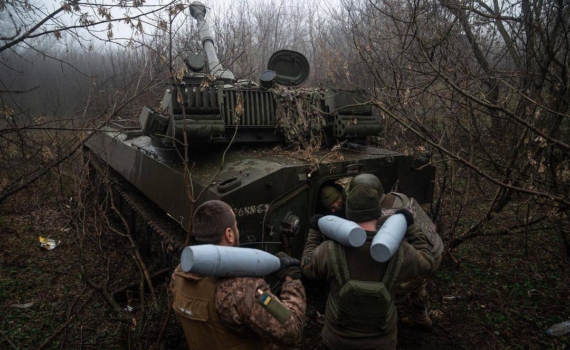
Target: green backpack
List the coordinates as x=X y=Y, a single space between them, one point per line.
x=362 y=306
x=420 y=217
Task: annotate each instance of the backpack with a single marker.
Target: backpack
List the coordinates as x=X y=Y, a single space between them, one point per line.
x=420 y=217
x=363 y=306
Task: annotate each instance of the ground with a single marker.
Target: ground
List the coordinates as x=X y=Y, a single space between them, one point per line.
x=496 y=294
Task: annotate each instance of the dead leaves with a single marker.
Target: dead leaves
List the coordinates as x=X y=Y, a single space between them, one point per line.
x=299 y=118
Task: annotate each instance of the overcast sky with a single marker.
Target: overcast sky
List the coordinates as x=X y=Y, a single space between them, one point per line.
x=122 y=30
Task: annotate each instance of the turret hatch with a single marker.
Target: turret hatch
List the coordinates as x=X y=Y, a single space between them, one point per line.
x=292 y=67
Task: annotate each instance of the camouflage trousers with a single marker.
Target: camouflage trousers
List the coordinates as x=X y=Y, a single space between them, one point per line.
x=415 y=290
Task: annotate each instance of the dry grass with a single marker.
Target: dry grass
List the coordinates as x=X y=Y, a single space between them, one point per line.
x=66 y=312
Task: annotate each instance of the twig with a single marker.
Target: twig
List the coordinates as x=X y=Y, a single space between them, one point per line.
x=194 y=200
x=164 y=324
x=28 y=33
x=457 y=262
x=135 y=284
x=19 y=91
x=145 y=273
x=4 y=335
x=142 y=309
x=108 y=297
x=135 y=252
x=456 y=157
x=48 y=340
x=69 y=318
x=80 y=141
x=494 y=337
x=510 y=294
x=505 y=231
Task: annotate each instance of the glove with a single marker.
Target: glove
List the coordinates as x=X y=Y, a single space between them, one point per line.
x=289 y=267
x=408 y=215
x=314 y=222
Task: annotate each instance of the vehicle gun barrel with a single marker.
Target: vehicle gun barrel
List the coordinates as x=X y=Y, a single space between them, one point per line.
x=198 y=11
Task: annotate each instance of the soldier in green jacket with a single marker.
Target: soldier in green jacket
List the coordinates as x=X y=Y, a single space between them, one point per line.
x=360 y=311
x=238 y=312
x=331 y=198
x=415 y=289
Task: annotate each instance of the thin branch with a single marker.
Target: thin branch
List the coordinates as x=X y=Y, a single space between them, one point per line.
x=470 y=165
x=8 y=339
x=27 y=34
x=19 y=91
x=500 y=108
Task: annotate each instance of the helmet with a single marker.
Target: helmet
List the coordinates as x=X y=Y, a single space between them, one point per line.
x=363 y=204
x=329 y=195
x=369 y=180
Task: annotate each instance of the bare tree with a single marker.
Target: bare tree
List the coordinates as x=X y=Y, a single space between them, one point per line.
x=486 y=86
x=59 y=81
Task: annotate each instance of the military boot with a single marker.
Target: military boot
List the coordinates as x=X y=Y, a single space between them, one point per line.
x=417 y=321
x=419 y=310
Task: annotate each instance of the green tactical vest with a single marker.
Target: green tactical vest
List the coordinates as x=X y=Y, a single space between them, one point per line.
x=362 y=306
x=194 y=304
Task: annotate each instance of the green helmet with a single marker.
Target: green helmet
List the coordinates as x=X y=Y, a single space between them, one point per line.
x=329 y=195
x=363 y=204
x=369 y=180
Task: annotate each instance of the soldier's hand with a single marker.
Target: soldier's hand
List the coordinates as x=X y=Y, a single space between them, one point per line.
x=409 y=217
x=292 y=271
x=314 y=222
x=289 y=267
x=287 y=261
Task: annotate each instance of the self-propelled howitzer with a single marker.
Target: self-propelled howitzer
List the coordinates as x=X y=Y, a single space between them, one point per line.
x=216 y=137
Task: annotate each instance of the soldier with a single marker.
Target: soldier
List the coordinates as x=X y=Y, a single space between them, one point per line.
x=225 y=313
x=331 y=197
x=360 y=311
x=415 y=289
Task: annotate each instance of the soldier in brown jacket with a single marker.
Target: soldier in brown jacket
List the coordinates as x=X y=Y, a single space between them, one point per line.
x=226 y=313
x=415 y=289
x=360 y=311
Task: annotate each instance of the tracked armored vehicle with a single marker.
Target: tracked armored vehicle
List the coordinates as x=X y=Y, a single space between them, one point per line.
x=265 y=148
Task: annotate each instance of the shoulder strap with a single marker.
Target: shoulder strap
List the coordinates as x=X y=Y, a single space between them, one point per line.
x=214 y=280
x=402 y=197
x=338 y=259
x=393 y=269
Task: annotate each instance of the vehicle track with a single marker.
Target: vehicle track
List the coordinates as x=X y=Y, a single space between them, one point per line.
x=170 y=233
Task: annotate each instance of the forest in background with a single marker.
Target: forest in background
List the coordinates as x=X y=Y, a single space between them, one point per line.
x=481 y=85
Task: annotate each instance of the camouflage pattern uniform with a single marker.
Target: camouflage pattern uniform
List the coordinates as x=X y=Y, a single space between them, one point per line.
x=239 y=311
x=316 y=263
x=415 y=289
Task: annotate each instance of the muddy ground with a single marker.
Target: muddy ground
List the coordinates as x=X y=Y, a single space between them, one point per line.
x=496 y=294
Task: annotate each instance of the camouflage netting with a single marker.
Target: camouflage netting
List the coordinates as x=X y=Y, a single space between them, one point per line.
x=299 y=117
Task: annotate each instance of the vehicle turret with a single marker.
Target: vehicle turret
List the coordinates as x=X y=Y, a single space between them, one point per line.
x=209 y=111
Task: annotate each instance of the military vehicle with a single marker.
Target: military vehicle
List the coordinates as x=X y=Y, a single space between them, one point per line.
x=265 y=148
